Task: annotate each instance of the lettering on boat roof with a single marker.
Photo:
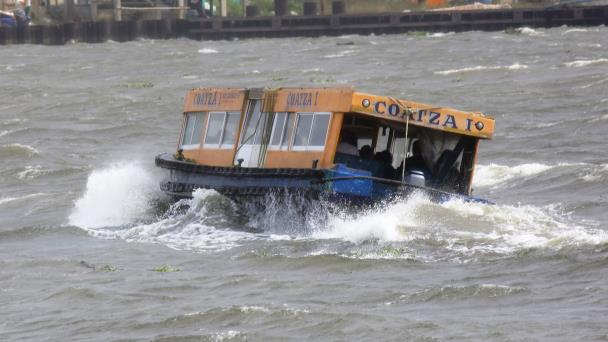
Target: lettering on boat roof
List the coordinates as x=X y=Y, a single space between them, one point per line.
x=313 y=100
x=209 y=99
x=420 y=114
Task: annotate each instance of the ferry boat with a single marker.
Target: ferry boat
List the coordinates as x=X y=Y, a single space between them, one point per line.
x=332 y=143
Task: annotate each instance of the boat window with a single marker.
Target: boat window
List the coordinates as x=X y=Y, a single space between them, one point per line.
x=193 y=130
x=283 y=123
x=221 y=130
x=302 y=129
x=311 y=131
x=232 y=124
x=319 y=130
x=214 y=128
x=278 y=128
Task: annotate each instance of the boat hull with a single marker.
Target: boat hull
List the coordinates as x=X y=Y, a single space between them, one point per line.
x=341 y=184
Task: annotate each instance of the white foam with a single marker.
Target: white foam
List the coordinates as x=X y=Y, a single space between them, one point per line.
x=575 y=30
x=595 y=173
x=340 y=54
x=440 y=34
x=593 y=84
x=390 y=223
x=207 y=51
x=599 y=118
x=254 y=309
x=515 y=66
x=31 y=171
x=529 y=32
x=187 y=231
x=507 y=228
x=228 y=335
x=493 y=174
x=5 y=200
x=457 y=231
x=114 y=196
x=584 y=63
x=13 y=121
x=5 y=132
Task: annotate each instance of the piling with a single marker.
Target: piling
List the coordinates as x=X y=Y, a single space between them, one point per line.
x=280 y=8
x=338 y=7
x=252 y=11
x=310 y=8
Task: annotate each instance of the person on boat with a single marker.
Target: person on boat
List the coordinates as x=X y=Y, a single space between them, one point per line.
x=366 y=152
x=386 y=159
x=415 y=162
x=348 y=144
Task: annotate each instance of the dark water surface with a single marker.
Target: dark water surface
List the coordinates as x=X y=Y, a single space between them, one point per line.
x=88 y=251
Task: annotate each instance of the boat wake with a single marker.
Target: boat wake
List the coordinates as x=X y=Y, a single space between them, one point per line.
x=121 y=202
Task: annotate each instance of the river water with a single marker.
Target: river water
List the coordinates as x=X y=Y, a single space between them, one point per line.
x=91 y=251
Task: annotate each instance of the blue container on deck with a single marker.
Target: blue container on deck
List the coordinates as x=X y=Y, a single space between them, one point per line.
x=348 y=186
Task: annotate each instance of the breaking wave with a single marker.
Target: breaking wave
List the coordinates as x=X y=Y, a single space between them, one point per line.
x=584 y=63
x=493 y=175
x=208 y=221
x=515 y=66
x=451 y=292
x=16 y=150
x=528 y=31
x=6 y=200
x=207 y=51
x=574 y=30
x=117 y=195
x=341 y=54
x=419 y=229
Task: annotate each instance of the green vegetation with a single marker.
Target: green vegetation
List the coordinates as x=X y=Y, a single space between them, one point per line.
x=266 y=7
x=109 y=268
x=138 y=85
x=166 y=269
x=393 y=252
x=180 y=156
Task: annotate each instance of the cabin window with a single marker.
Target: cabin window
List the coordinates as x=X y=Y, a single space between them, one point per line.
x=311 y=131
x=232 y=125
x=193 y=130
x=281 y=131
x=221 y=130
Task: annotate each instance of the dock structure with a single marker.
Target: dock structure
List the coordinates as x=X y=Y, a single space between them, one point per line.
x=121 y=29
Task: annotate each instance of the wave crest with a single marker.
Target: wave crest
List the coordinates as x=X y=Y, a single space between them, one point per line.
x=515 y=66
x=586 y=62
x=117 y=195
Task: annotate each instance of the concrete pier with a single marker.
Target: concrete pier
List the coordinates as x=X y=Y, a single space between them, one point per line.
x=310 y=25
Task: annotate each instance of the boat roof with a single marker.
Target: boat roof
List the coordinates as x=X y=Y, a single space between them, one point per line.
x=344 y=100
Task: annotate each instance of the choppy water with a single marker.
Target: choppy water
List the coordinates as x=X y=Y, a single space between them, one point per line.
x=90 y=251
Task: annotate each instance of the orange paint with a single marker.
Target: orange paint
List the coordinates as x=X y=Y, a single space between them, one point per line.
x=293 y=159
x=214 y=99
